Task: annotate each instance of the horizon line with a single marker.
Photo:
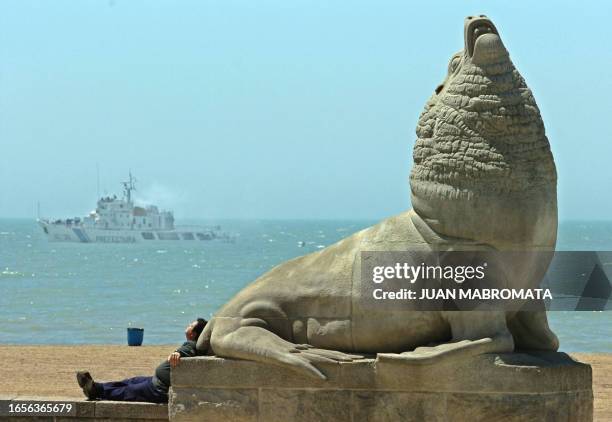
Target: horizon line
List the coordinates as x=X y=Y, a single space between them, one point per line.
x=302 y=218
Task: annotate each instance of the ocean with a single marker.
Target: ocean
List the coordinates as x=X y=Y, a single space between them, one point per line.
x=73 y=293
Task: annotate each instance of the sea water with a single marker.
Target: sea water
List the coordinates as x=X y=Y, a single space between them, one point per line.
x=68 y=293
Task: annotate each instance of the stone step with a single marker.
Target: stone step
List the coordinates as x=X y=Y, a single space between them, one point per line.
x=86 y=410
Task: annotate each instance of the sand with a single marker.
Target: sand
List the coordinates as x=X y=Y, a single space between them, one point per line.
x=602 y=382
x=50 y=370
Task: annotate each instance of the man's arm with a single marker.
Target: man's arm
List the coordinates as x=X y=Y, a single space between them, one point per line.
x=186 y=350
x=174 y=358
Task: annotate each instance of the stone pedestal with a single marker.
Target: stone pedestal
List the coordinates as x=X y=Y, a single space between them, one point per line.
x=508 y=387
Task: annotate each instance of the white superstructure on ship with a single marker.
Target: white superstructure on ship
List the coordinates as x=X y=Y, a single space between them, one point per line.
x=118 y=220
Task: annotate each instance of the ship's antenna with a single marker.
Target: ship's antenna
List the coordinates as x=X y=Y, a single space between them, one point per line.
x=128 y=187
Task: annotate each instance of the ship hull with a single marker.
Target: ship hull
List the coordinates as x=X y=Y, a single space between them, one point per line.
x=80 y=234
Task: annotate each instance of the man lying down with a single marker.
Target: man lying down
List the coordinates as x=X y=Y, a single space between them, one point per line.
x=152 y=389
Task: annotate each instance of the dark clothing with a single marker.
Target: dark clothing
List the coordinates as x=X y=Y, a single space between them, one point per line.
x=162 y=373
x=150 y=389
x=132 y=389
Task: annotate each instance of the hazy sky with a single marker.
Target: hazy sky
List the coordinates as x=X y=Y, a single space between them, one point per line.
x=267 y=109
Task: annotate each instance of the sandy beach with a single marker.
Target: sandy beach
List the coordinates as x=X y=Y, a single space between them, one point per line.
x=50 y=370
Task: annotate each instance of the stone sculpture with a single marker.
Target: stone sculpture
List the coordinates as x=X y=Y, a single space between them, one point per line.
x=483 y=175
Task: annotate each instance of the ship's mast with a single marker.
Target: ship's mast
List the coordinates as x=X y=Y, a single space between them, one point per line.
x=128 y=187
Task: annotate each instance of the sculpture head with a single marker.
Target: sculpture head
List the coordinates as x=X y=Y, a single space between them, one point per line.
x=483 y=169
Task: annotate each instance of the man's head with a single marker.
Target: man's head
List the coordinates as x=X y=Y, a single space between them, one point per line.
x=193 y=330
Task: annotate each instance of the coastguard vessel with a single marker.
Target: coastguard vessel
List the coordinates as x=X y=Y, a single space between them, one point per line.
x=118 y=220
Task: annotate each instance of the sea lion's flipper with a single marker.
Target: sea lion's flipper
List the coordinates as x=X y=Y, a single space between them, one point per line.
x=531 y=331
x=330 y=355
x=234 y=340
x=448 y=351
x=474 y=333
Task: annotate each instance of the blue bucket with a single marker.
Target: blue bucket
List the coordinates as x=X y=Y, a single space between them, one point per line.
x=135 y=336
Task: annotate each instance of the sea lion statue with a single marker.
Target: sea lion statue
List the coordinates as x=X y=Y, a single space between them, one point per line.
x=483 y=175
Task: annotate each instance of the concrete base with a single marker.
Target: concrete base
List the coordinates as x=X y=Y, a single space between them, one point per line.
x=508 y=387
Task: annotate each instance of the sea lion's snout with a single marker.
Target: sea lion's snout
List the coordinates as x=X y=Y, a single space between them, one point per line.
x=482 y=41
